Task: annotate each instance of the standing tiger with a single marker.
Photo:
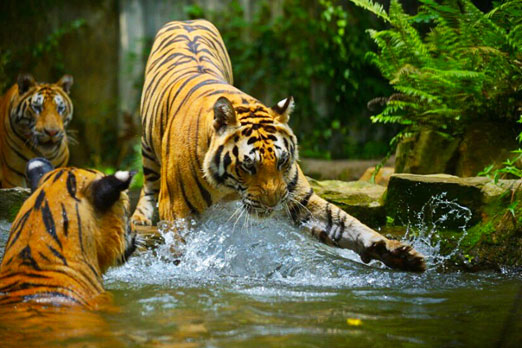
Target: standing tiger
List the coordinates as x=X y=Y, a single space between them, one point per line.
x=205 y=141
x=33 y=117
x=65 y=236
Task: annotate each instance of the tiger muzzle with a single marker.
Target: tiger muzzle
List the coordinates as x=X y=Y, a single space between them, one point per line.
x=49 y=137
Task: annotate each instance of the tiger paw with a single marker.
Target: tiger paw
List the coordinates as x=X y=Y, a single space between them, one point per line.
x=140 y=220
x=395 y=254
x=149 y=237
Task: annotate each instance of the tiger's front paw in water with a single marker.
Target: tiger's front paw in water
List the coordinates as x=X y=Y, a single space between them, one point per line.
x=150 y=238
x=396 y=255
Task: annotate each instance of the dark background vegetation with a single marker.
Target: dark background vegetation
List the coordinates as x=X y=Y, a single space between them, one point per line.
x=313 y=50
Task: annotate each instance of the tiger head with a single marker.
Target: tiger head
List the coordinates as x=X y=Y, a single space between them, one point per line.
x=84 y=215
x=41 y=112
x=253 y=153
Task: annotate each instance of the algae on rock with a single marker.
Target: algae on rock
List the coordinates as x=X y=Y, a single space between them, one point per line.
x=10 y=202
x=360 y=199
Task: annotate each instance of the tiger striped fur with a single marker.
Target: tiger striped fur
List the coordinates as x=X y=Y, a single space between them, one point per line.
x=33 y=117
x=205 y=141
x=65 y=236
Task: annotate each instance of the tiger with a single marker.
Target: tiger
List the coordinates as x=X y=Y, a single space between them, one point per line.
x=205 y=141
x=68 y=232
x=33 y=121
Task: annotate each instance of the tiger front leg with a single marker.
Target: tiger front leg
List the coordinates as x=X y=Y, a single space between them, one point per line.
x=144 y=212
x=333 y=226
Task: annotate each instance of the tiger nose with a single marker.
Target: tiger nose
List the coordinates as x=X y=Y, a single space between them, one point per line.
x=51 y=132
x=270 y=200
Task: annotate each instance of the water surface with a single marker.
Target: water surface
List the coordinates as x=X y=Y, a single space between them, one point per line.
x=248 y=283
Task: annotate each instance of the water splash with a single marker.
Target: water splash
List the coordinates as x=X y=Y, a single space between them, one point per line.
x=273 y=253
x=437 y=214
x=243 y=251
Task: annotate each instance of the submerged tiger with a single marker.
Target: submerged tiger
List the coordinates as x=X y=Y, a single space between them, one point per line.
x=33 y=119
x=65 y=236
x=205 y=141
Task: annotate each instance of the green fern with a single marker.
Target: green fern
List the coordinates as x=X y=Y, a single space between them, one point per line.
x=376 y=9
x=450 y=64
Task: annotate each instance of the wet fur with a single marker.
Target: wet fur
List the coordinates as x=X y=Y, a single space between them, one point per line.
x=61 y=243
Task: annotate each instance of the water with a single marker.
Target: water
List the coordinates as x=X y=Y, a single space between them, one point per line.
x=263 y=283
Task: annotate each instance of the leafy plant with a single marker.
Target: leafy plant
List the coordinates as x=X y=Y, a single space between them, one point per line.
x=14 y=61
x=450 y=64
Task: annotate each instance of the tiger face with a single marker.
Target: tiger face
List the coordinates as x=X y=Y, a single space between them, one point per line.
x=253 y=153
x=41 y=112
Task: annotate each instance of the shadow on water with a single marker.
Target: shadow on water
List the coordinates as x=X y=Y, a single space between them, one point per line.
x=263 y=283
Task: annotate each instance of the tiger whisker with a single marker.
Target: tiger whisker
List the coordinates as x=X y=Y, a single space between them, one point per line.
x=300 y=206
x=72 y=136
x=237 y=210
x=239 y=217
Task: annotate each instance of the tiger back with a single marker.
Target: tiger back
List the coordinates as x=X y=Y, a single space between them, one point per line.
x=205 y=141
x=65 y=236
x=33 y=121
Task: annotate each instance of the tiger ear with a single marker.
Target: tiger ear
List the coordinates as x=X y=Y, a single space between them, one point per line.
x=283 y=109
x=24 y=82
x=35 y=169
x=106 y=191
x=224 y=114
x=66 y=83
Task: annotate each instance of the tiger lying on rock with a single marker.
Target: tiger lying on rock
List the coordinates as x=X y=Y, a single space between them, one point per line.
x=205 y=141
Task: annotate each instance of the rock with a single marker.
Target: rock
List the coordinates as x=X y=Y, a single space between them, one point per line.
x=358 y=198
x=10 y=202
x=483 y=144
x=382 y=178
x=486 y=232
x=496 y=241
x=428 y=152
x=410 y=195
x=480 y=145
x=347 y=170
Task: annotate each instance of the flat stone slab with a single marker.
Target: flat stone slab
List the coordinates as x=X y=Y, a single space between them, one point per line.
x=346 y=170
x=360 y=199
x=10 y=202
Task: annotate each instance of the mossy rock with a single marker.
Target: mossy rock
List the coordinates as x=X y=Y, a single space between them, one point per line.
x=10 y=202
x=493 y=237
x=428 y=152
x=360 y=199
x=496 y=241
x=412 y=196
x=485 y=143
x=481 y=144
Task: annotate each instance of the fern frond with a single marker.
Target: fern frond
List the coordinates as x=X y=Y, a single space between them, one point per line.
x=457 y=74
x=414 y=92
x=405 y=70
x=373 y=7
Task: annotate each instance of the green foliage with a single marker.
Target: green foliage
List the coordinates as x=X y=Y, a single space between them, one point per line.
x=314 y=51
x=450 y=64
x=13 y=62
